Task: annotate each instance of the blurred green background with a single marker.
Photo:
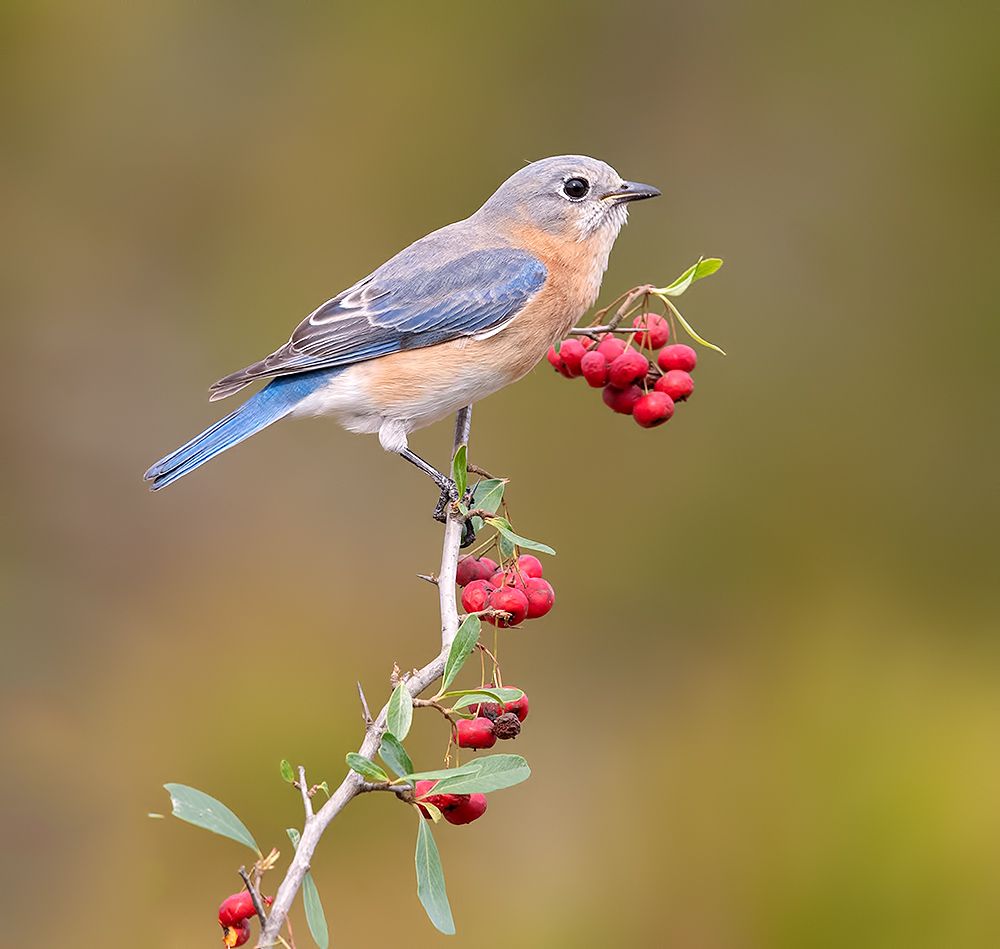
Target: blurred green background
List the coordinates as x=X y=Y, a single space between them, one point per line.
x=766 y=710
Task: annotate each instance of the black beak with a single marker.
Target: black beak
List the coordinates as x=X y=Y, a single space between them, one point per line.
x=633 y=191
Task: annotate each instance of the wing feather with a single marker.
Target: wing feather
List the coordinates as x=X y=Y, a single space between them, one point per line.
x=405 y=308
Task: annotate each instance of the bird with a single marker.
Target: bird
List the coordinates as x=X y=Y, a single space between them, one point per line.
x=454 y=317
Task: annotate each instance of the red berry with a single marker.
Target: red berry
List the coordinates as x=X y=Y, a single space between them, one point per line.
x=471 y=568
x=555 y=360
x=653 y=409
x=594 y=367
x=475 y=733
x=629 y=367
x=519 y=708
x=476 y=595
x=657 y=331
x=236 y=935
x=507 y=578
x=621 y=400
x=467 y=571
x=443 y=802
x=529 y=566
x=466 y=811
x=541 y=596
x=677 y=383
x=235 y=908
x=677 y=356
x=611 y=347
x=510 y=600
x=571 y=351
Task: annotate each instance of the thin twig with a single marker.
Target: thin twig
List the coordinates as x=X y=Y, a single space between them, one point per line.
x=482 y=472
x=353 y=783
x=254 y=895
x=430 y=703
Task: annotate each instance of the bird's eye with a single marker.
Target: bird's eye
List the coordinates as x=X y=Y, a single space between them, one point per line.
x=576 y=187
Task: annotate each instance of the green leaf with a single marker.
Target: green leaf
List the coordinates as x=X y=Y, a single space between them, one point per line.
x=286 y=771
x=487 y=497
x=506 y=548
x=704 y=268
x=394 y=754
x=460 y=470
x=489 y=494
x=400 y=712
x=477 y=696
x=484 y=774
x=315 y=916
x=198 y=808
x=492 y=773
x=502 y=526
x=461 y=648
x=365 y=767
x=439 y=774
x=325 y=788
x=690 y=330
x=294 y=836
x=433 y=810
x=430 y=881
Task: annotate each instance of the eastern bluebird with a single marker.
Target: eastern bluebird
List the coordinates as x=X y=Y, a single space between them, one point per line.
x=454 y=317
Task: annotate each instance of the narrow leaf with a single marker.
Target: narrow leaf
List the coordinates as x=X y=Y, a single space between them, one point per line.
x=704 y=268
x=365 y=767
x=394 y=754
x=460 y=470
x=503 y=528
x=315 y=916
x=437 y=775
x=294 y=836
x=433 y=810
x=461 y=647
x=198 y=808
x=478 y=696
x=430 y=881
x=493 y=773
x=286 y=771
x=690 y=330
x=506 y=548
x=400 y=713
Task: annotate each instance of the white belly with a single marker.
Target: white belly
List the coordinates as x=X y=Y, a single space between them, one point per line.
x=353 y=402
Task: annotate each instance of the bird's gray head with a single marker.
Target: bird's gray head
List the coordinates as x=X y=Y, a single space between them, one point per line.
x=570 y=197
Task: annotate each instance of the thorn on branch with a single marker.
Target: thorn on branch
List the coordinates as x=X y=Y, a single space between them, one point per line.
x=365 y=713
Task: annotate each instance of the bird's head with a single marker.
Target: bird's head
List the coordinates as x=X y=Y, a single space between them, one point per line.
x=570 y=197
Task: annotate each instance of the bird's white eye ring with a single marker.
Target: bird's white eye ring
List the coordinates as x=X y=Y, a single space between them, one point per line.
x=576 y=188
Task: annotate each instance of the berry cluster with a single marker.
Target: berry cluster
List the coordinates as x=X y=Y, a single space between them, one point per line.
x=490 y=723
x=632 y=384
x=235 y=914
x=519 y=592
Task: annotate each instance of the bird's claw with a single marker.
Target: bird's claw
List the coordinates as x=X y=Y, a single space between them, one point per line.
x=449 y=496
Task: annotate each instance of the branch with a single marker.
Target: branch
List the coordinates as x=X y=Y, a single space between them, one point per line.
x=254 y=895
x=353 y=784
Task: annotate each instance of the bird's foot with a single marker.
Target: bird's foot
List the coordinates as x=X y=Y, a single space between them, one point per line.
x=449 y=496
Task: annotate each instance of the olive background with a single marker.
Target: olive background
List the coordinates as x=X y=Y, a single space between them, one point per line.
x=765 y=709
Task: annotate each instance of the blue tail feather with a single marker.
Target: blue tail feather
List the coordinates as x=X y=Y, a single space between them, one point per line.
x=272 y=403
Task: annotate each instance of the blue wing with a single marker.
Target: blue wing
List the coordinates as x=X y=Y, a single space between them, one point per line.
x=410 y=302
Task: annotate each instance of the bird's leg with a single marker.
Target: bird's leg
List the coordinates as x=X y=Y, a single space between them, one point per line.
x=449 y=493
